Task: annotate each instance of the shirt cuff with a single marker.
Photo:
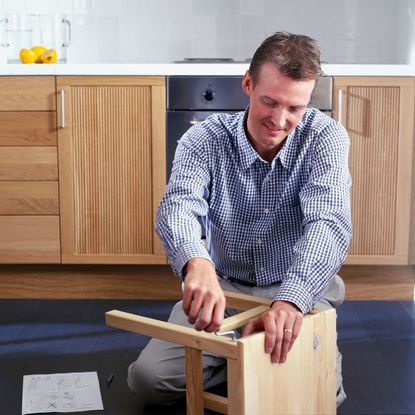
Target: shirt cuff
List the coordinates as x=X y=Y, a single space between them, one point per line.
x=182 y=255
x=297 y=294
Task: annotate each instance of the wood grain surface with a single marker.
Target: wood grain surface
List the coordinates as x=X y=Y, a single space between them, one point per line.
x=157 y=282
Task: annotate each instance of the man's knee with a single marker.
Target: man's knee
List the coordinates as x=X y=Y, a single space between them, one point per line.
x=151 y=384
x=147 y=383
x=142 y=382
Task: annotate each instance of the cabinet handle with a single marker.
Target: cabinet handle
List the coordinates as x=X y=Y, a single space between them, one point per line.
x=68 y=42
x=5 y=22
x=340 y=106
x=62 y=94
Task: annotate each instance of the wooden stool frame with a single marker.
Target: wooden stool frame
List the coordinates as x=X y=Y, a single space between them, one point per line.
x=304 y=384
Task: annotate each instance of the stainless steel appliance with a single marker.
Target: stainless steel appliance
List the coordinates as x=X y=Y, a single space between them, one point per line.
x=191 y=99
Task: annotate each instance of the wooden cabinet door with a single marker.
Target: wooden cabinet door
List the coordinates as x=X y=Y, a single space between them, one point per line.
x=378 y=113
x=111 y=143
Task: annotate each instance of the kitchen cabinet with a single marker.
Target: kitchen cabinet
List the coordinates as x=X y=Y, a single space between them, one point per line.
x=111 y=133
x=378 y=113
x=29 y=206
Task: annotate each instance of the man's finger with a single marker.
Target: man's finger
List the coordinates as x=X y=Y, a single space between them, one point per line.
x=296 y=329
x=278 y=339
x=205 y=316
x=253 y=325
x=195 y=307
x=217 y=317
x=187 y=300
x=219 y=313
x=286 y=341
x=270 y=327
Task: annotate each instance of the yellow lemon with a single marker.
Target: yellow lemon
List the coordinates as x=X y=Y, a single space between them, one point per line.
x=38 y=50
x=49 y=56
x=27 y=56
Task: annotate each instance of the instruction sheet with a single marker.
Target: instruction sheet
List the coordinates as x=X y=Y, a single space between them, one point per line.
x=61 y=392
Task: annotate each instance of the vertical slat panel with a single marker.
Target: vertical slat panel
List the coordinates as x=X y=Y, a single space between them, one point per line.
x=112 y=171
x=374 y=138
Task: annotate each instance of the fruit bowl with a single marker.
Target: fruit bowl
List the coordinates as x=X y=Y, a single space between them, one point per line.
x=38 y=54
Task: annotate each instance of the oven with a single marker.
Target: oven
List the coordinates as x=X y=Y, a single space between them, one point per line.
x=191 y=99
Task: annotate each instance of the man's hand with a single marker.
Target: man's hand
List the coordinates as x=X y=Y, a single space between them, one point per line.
x=282 y=324
x=203 y=299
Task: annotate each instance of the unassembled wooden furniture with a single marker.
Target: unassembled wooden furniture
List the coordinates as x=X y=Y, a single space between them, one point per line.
x=305 y=384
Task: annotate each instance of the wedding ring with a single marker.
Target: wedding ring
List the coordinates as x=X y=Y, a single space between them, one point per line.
x=288 y=331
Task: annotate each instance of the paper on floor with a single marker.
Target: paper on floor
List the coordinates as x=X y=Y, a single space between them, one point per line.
x=61 y=392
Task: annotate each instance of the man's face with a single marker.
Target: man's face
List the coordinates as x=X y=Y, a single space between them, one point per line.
x=277 y=104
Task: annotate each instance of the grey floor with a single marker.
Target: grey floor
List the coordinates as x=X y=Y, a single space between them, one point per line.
x=376 y=338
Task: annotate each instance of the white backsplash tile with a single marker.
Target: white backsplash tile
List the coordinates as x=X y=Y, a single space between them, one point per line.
x=203 y=7
x=252 y=8
x=228 y=7
x=349 y=31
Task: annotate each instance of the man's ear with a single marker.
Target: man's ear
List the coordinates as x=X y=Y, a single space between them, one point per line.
x=247 y=83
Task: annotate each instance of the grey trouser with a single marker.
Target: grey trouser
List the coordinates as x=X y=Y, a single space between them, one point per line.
x=157 y=377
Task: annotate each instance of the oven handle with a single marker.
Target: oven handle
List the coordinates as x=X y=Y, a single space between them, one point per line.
x=195 y=122
x=340 y=106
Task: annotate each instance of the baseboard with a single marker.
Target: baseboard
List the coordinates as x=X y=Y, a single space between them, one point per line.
x=148 y=282
x=156 y=282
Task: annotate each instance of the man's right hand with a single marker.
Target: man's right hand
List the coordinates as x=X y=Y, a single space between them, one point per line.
x=203 y=299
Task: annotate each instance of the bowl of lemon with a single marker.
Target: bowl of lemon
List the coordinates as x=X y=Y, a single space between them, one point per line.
x=38 y=54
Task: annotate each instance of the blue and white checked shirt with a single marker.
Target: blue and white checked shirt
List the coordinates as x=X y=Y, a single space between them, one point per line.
x=287 y=221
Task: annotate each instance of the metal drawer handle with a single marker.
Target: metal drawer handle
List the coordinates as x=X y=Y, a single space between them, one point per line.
x=66 y=44
x=5 y=21
x=195 y=122
x=339 y=115
x=62 y=94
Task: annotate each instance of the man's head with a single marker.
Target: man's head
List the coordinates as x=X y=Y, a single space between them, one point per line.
x=296 y=56
x=279 y=84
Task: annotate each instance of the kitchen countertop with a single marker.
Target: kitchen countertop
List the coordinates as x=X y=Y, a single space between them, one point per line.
x=190 y=69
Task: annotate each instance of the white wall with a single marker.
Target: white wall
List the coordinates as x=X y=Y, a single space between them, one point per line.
x=133 y=31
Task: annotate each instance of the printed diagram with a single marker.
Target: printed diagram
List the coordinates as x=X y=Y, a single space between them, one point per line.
x=51 y=401
x=68 y=400
x=61 y=392
x=36 y=382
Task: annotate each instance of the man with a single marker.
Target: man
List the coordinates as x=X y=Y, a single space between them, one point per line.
x=271 y=185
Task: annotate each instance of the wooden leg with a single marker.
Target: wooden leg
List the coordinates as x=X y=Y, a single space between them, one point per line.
x=236 y=392
x=194 y=382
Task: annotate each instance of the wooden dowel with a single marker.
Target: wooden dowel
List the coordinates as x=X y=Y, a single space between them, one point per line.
x=240 y=319
x=244 y=301
x=172 y=332
x=215 y=403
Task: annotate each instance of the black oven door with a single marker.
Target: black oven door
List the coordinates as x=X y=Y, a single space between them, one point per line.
x=178 y=122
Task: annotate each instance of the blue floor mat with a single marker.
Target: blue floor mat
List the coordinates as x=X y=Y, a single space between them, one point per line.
x=376 y=338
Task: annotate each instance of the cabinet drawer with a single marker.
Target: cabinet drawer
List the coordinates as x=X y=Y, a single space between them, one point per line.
x=28 y=163
x=29 y=198
x=29 y=239
x=28 y=128
x=27 y=93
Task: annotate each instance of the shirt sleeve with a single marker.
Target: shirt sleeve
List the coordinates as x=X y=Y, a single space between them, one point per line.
x=325 y=205
x=183 y=203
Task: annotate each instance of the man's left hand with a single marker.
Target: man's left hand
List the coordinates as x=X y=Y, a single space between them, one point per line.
x=282 y=324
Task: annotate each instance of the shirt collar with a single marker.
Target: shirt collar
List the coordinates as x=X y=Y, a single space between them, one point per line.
x=248 y=155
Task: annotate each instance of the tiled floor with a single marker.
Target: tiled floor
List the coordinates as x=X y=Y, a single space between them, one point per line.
x=377 y=339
